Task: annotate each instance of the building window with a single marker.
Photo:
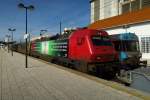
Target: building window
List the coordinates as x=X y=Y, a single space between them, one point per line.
x=125 y=8
x=146 y=3
x=145 y=44
x=135 y=5
x=131 y=5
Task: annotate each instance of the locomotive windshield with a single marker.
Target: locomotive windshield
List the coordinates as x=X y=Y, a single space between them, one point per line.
x=101 y=41
x=126 y=46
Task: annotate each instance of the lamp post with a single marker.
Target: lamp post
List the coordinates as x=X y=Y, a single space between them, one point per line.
x=12 y=30
x=42 y=32
x=30 y=7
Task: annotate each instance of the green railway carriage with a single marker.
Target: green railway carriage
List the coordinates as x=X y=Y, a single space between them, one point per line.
x=56 y=48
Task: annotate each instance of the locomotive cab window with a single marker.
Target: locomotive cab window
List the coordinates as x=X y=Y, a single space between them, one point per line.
x=126 y=46
x=101 y=41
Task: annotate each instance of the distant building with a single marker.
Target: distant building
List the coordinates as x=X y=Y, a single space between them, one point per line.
x=120 y=16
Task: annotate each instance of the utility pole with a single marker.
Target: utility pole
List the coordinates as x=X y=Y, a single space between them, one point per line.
x=60 y=27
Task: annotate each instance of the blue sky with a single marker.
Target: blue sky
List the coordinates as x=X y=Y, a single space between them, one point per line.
x=47 y=15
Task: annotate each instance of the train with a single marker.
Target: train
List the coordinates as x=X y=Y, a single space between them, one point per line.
x=83 y=49
x=127 y=46
x=89 y=51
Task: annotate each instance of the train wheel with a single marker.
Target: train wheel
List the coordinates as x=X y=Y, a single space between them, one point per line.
x=84 y=67
x=81 y=66
x=105 y=72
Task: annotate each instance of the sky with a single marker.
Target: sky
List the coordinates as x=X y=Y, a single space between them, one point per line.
x=46 y=15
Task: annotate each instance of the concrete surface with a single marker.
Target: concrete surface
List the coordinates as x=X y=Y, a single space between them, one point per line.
x=43 y=81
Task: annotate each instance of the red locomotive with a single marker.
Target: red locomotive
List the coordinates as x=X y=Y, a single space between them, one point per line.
x=93 y=49
x=91 y=46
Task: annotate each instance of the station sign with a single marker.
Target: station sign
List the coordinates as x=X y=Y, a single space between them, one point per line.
x=26 y=36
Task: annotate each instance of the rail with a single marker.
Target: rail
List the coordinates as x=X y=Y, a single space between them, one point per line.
x=134 y=72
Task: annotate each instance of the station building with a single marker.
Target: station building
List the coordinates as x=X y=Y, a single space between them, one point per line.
x=122 y=16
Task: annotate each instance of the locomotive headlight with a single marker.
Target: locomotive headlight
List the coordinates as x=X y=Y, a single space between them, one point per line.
x=98 y=58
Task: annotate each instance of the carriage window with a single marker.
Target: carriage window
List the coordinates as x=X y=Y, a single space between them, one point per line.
x=131 y=45
x=101 y=41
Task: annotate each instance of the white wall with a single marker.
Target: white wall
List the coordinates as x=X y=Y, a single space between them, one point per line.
x=107 y=8
x=92 y=12
x=141 y=30
x=114 y=8
x=101 y=9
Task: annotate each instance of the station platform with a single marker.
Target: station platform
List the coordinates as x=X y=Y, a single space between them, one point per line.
x=46 y=81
